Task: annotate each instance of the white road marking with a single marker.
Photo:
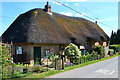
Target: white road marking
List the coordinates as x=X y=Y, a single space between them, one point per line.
x=105 y=71
x=112 y=72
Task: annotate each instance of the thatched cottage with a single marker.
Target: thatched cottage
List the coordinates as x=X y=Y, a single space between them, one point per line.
x=37 y=31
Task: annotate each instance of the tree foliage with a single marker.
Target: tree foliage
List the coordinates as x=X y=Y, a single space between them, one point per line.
x=5 y=56
x=116 y=48
x=5 y=62
x=99 y=50
x=115 y=37
x=72 y=50
x=73 y=53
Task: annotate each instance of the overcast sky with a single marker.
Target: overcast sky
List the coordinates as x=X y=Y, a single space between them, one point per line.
x=104 y=12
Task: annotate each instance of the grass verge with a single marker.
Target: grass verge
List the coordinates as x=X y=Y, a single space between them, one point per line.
x=34 y=76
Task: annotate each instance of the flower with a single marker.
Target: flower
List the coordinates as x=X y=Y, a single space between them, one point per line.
x=52 y=49
x=51 y=52
x=6 y=59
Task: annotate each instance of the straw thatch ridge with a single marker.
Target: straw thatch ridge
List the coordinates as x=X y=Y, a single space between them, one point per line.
x=37 y=26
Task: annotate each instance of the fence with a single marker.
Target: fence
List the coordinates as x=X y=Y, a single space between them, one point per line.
x=87 y=58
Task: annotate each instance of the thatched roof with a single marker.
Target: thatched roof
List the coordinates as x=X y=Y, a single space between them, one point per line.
x=37 y=26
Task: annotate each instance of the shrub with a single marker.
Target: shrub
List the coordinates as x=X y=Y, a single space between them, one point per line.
x=74 y=59
x=88 y=57
x=51 y=66
x=37 y=69
x=25 y=70
x=110 y=52
x=72 y=52
x=52 y=56
x=17 y=75
x=5 y=61
x=116 y=48
x=82 y=59
x=99 y=50
x=5 y=55
x=72 y=49
x=9 y=69
x=7 y=72
x=94 y=55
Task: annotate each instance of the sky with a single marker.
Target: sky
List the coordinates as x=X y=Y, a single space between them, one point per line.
x=104 y=12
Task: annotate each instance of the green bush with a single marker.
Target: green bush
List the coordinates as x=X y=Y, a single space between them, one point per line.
x=52 y=66
x=9 y=69
x=74 y=59
x=111 y=52
x=18 y=75
x=18 y=68
x=6 y=62
x=99 y=50
x=5 y=56
x=83 y=59
x=116 y=48
x=25 y=70
x=72 y=52
x=37 y=69
x=88 y=57
x=7 y=72
x=94 y=55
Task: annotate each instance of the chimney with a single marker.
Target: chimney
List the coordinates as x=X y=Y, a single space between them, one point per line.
x=47 y=7
x=95 y=22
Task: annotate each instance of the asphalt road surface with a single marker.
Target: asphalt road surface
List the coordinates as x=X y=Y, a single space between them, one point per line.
x=103 y=69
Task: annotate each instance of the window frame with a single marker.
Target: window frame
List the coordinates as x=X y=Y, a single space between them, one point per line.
x=18 y=50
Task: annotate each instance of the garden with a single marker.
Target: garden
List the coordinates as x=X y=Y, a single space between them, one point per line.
x=71 y=59
x=8 y=69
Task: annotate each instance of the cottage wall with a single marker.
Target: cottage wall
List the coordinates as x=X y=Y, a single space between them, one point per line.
x=28 y=52
x=56 y=49
x=26 y=56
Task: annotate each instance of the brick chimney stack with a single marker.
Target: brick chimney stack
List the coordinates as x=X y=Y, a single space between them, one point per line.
x=47 y=7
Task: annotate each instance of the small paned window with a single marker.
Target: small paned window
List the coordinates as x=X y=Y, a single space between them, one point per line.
x=46 y=52
x=19 y=50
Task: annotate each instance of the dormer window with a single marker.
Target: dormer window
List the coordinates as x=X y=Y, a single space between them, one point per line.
x=73 y=40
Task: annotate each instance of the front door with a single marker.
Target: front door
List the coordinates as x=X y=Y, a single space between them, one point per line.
x=37 y=55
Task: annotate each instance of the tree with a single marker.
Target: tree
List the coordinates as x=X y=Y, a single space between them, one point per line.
x=6 y=61
x=5 y=56
x=72 y=49
x=72 y=52
x=115 y=37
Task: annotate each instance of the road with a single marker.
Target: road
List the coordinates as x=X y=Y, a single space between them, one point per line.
x=103 y=69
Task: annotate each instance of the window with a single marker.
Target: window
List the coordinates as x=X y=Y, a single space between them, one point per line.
x=45 y=53
x=18 y=50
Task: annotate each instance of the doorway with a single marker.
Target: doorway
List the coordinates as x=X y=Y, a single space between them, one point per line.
x=37 y=55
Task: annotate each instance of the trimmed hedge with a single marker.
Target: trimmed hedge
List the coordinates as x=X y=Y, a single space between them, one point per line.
x=116 y=48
